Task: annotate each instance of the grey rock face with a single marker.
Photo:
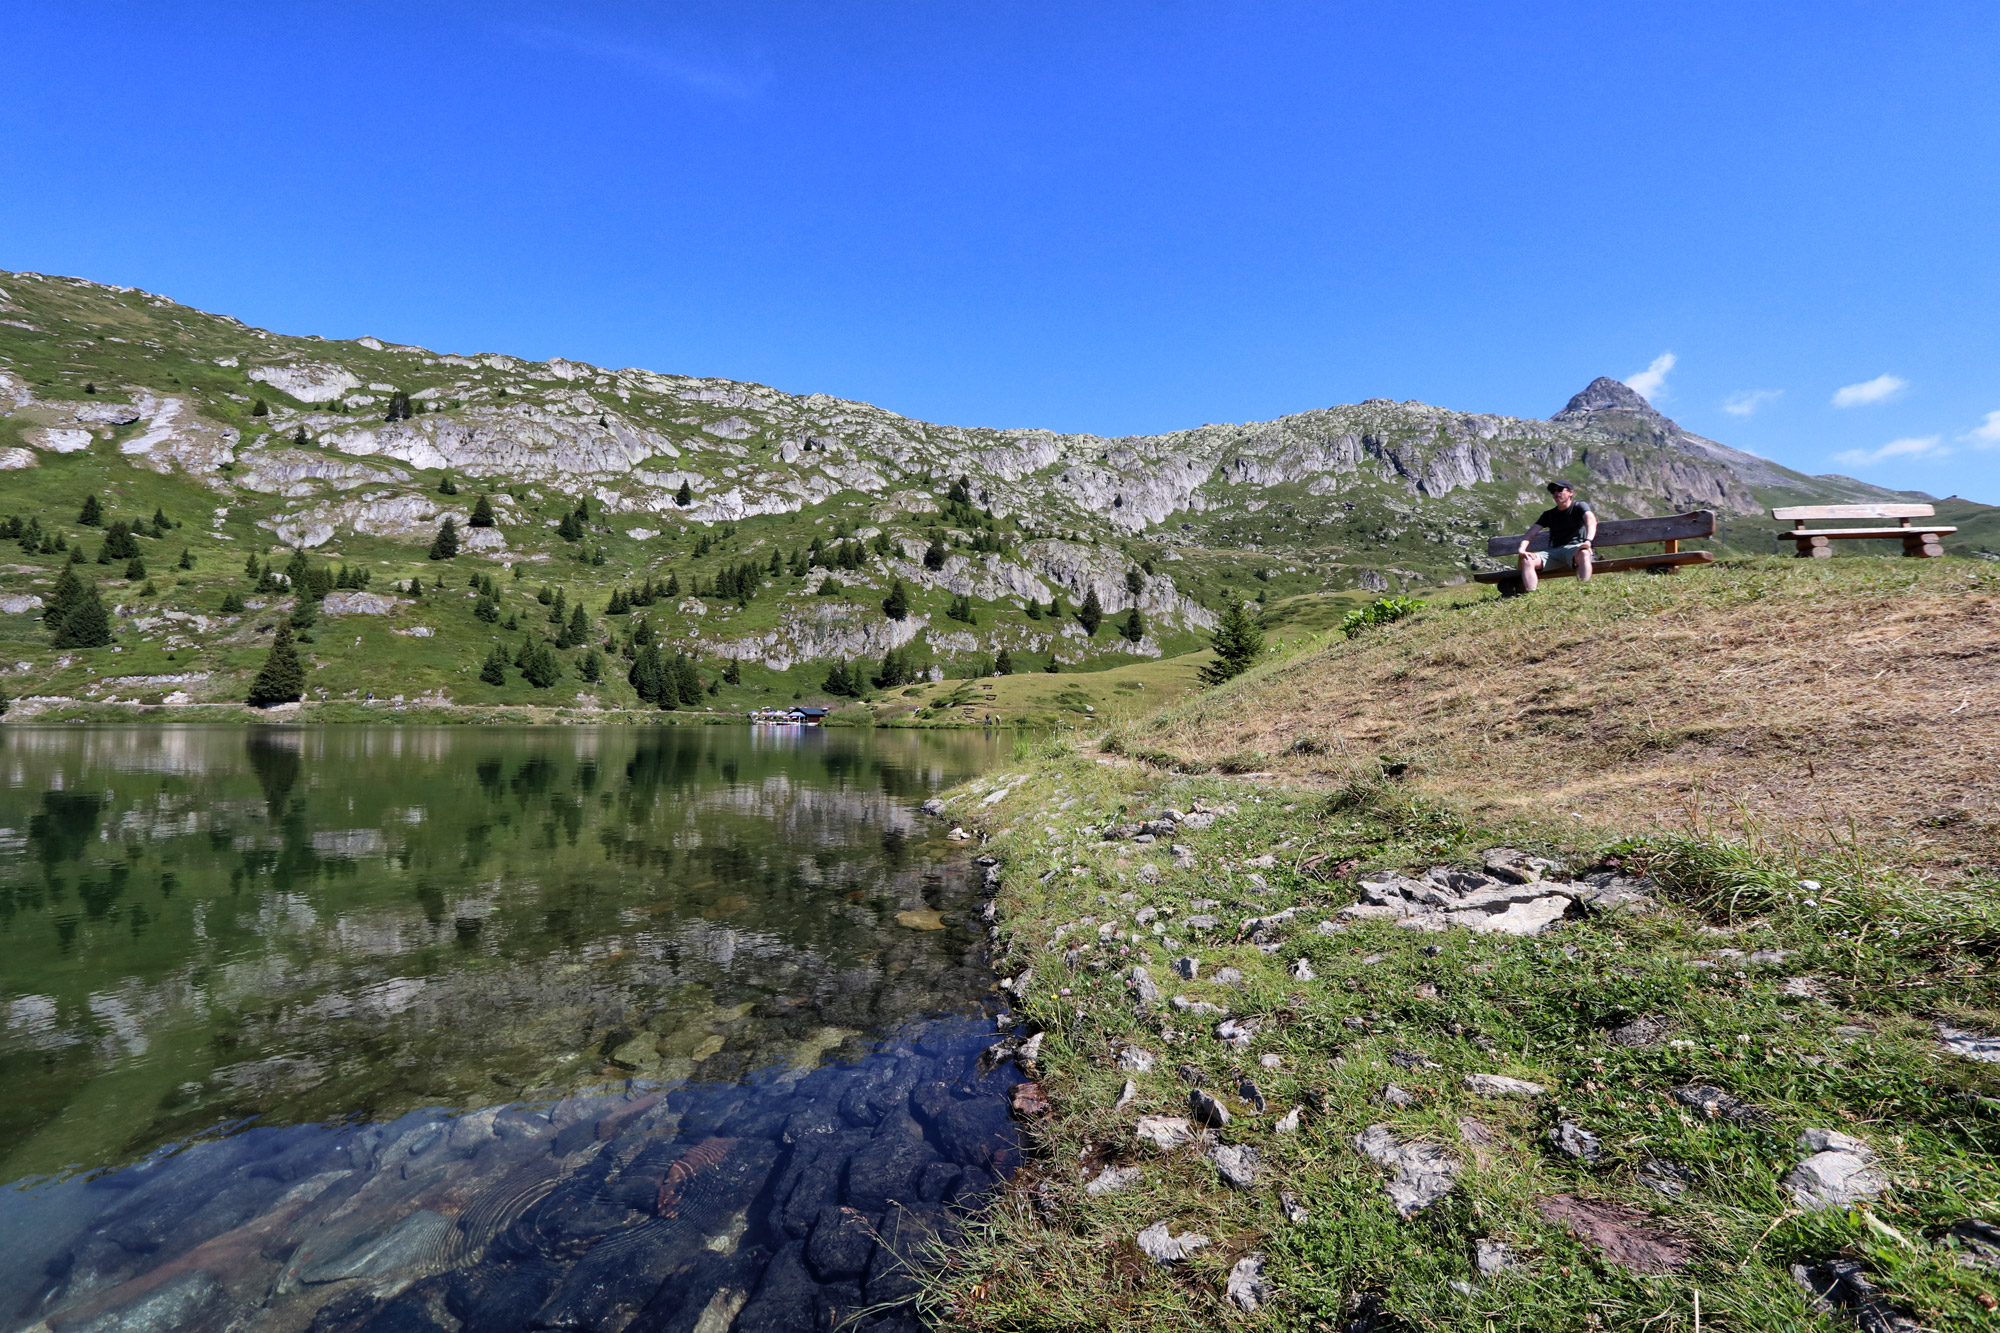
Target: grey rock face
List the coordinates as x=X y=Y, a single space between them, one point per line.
x=1970 y=1044
x=1187 y=968
x=1206 y=1110
x=1669 y=1178
x=1302 y=970
x=1719 y=1105
x=1236 y=1164
x=1640 y=1033
x=1237 y=1032
x=1144 y=992
x=1424 y=1172
x=1575 y=1142
x=1839 y=1174
x=1113 y=1179
x=1397 y=1097
x=1491 y=1257
x=1247 y=1288
x=1164 y=1248
x=1500 y=1085
x=1164 y=1131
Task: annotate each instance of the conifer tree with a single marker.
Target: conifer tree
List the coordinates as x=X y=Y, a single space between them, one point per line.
x=135 y=568
x=684 y=496
x=543 y=668
x=92 y=513
x=1034 y=609
x=251 y=569
x=839 y=679
x=1237 y=642
x=1134 y=584
x=733 y=673
x=283 y=677
x=934 y=553
x=259 y=408
x=446 y=545
x=417 y=588
x=297 y=570
x=896 y=605
x=593 y=666
x=1134 y=628
x=671 y=590
x=686 y=679
x=1091 y=614
x=232 y=603
x=578 y=632
x=304 y=612
x=447 y=486
x=85 y=624
x=494 y=670
x=1054 y=666
x=299 y=437
x=69 y=587
x=486 y=610
x=1055 y=608
x=187 y=558
x=1003 y=664
x=482 y=513
x=160 y=522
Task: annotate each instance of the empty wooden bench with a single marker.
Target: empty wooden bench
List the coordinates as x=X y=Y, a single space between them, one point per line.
x=1670 y=531
x=1817 y=543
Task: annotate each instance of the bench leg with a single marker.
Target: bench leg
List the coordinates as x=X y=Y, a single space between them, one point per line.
x=1923 y=546
x=1814 y=548
x=1511 y=586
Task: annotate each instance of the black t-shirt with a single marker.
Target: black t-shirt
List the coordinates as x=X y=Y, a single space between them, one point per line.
x=1565 y=525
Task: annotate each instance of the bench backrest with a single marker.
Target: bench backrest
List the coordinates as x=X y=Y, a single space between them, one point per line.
x=1855 y=511
x=1622 y=532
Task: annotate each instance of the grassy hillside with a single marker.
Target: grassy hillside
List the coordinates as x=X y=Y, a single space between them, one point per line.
x=1790 y=750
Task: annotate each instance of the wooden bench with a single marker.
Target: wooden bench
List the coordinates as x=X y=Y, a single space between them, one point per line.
x=1817 y=543
x=1670 y=531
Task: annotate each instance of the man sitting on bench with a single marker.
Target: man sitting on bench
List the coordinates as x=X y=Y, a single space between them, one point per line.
x=1571 y=528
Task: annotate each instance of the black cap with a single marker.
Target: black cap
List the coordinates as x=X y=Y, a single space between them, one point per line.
x=1555 y=486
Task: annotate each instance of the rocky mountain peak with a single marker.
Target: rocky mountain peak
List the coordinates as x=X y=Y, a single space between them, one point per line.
x=1602 y=393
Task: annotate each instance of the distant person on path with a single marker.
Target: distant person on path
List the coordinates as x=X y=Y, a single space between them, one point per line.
x=1571 y=527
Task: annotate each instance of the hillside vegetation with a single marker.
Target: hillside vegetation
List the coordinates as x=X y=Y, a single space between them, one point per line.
x=1781 y=773
x=782 y=523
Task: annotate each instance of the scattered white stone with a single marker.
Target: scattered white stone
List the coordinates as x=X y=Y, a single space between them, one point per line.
x=1136 y=1059
x=415 y=632
x=1424 y=1171
x=1288 y=1123
x=1207 y=1109
x=1247 y=1287
x=1126 y=1096
x=1271 y=1061
x=1112 y=1179
x=17 y=605
x=1839 y=1174
x=1187 y=968
x=1237 y=1032
x=346 y=602
x=1294 y=1211
x=1491 y=1256
x=1970 y=1044
x=1499 y=1085
x=1165 y=1131
x=1236 y=1164
x=1302 y=971
x=1164 y=1248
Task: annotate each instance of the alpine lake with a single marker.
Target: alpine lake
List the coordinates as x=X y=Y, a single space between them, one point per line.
x=468 y=1029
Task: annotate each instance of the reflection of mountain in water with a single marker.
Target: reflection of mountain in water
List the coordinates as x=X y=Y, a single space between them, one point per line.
x=300 y=924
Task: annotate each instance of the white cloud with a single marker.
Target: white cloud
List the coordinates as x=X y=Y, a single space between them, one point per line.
x=1746 y=403
x=1651 y=382
x=1985 y=435
x=1878 y=390
x=1911 y=447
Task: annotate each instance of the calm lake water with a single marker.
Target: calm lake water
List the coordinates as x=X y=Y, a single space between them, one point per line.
x=406 y=1028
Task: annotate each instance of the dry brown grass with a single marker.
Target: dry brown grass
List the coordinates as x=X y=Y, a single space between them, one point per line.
x=1815 y=702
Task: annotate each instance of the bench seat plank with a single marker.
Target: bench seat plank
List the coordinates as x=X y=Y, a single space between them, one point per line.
x=1621 y=532
x=1800 y=533
x=1855 y=511
x=1622 y=565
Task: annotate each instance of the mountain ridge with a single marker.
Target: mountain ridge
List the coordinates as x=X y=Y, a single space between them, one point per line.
x=347 y=449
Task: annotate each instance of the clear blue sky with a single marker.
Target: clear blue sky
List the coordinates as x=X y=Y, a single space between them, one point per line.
x=1113 y=217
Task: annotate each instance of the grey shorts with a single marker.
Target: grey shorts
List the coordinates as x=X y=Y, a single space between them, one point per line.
x=1557 y=557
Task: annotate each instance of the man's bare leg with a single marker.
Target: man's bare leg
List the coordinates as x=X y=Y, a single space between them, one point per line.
x=1529 y=579
x=1583 y=565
